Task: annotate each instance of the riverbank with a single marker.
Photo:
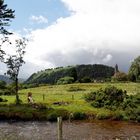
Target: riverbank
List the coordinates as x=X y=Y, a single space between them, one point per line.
x=42 y=112
x=67 y=101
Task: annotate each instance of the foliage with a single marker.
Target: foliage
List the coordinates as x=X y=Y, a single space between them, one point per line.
x=79 y=115
x=5 y=89
x=60 y=93
x=75 y=89
x=127 y=106
x=65 y=80
x=120 y=76
x=2 y=100
x=25 y=86
x=103 y=115
x=78 y=72
x=6 y=15
x=54 y=113
x=111 y=97
x=14 y=62
x=134 y=71
x=85 y=80
x=2 y=85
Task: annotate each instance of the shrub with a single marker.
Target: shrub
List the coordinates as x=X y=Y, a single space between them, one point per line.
x=103 y=115
x=53 y=114
x=65 y=80
x=71 y=89
x=120 y=76
x=110 y=97
x=3 y=100
x=119 y=115
x=2 y=84
x=85 y=80
x=90 y=96
x=79 y=116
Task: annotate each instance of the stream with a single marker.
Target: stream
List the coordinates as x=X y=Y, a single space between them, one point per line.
x=76 y=130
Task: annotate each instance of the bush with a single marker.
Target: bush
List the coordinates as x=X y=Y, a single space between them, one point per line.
x=71 y=89
x=90 y=96
x=120 y=76
x=110 y=97
x=65 y=80
x=79 y=116
x=85 y=80
x=103 y=116
x=3 y=100
x=5 y=92
x=115 y=99
x=2 y=84
x=119 y=115
x=53 y=114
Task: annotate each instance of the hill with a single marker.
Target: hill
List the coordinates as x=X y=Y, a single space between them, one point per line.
x=5 y=78
x=8 y=80
x=78 y=72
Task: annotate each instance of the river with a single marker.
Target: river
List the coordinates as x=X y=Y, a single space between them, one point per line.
x=77 y=130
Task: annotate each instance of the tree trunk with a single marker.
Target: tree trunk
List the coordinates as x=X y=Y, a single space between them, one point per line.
x=16 y=88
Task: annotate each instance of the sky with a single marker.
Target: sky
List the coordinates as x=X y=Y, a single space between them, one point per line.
x=71 y=32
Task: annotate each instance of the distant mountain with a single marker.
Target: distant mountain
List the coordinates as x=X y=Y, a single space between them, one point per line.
x=5 y=78
x=8 y=80
x=78 y=72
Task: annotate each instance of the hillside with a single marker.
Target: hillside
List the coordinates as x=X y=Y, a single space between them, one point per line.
x=78 y=72
x=8 y=80
x=5 y=78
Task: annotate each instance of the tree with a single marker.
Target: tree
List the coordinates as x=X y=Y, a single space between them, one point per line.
x=14 y=62
x=2 y=84
x=6 y=15
x=120 y=76
x=116 y=68
x=65 y=80
x=134 y=71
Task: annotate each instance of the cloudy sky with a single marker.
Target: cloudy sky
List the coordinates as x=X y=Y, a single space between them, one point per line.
x=69 y=32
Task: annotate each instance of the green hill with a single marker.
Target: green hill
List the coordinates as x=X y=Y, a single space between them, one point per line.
x=78 y=72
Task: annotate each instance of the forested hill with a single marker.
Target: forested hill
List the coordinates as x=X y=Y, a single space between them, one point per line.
x=78 y=72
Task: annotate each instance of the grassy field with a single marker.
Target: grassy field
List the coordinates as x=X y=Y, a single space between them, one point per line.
x=71 y=96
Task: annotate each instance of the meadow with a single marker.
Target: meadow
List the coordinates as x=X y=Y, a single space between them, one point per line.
x=71 y=96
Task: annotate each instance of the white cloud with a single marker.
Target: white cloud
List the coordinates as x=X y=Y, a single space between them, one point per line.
x=39 y=19
x=97 y=31
x=107 y=58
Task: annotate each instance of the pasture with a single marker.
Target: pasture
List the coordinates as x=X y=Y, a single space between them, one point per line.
x=70 y=96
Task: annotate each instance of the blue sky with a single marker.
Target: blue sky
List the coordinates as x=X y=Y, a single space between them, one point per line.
x=70 y=32
x=25 y=9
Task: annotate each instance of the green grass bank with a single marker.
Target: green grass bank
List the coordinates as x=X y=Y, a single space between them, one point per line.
x=67 y=101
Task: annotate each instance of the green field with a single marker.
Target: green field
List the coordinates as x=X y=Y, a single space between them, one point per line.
x=71 y=96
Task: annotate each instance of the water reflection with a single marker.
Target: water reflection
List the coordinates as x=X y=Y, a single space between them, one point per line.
x=97 y=130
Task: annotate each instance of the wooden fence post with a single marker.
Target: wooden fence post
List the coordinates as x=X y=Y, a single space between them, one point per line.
x=59 y=127
x=43 y=97
x=72 y=97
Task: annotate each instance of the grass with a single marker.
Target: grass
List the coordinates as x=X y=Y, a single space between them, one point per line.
x=72 y=94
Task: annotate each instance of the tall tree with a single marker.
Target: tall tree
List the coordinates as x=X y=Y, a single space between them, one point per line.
x=6 y=15
x=14 y=62
x=134 y=71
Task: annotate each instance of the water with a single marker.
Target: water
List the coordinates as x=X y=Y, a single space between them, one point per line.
x=97 y=130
